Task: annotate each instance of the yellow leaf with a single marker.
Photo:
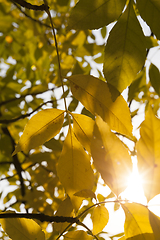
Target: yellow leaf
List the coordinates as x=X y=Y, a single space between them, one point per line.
x=125 y=52
x=21 y=228
x=155 y=224
x=100 y=217
x=41 y=128
x=83 y=129
x=94 y=94
x=74 y=169
x=148 y=153
x=77 y=235
x=137 y=225
x=110 y=157
x=85 y=193
x=65 y=209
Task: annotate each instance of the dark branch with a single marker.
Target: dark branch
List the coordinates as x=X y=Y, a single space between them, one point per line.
x=23 y=96
x=25 y=4
x=28 y=16
x=41 y=217
x=16 y=162
x=6 y=121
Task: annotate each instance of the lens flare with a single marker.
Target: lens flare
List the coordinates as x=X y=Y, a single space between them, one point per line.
x=134 y=192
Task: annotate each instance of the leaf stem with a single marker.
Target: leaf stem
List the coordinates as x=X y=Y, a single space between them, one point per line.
x=56 y=45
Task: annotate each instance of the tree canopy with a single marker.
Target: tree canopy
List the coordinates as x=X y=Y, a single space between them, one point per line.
x=66 y=124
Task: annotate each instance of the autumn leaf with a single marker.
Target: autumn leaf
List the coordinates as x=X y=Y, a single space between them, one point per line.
x=41 y=128
x=83 y=129
x=110 y=157
x=93 y=14
x=150 y=12
x=77 y=235
x=155 y=224
x=65 y=209
x=154 y=76
x=85 y=193
x=125 y=52
x=137 y=224
x=100 y=217
x=21 y=228
x=148 y=153
x=94 y=94
x=74 y=169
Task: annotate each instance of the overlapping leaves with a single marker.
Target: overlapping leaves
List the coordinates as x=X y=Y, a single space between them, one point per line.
x=148 y=153
x=140 y=223
x=94 y=94
x=110 y=156
x=18 y=229
x=74 y=169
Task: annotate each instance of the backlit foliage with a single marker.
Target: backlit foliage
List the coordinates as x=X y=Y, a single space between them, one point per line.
x=66 y=123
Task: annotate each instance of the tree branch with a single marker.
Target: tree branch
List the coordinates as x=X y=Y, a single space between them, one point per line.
x=16 y=162
x=23 y=96
x=28 y=16
x=25 y=4
x=41 y=217
x=6 y=121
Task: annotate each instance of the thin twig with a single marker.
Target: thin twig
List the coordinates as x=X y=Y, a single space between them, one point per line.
x=83 y=225
x=56 y=45
x=6 y=121
x=28 y=16
x=16 y=161
x=23 y=96
x=61 y=234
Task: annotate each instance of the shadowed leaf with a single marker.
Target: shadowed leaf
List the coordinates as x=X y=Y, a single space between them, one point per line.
x=150 y=12
x=125 y=51
x=92 y=14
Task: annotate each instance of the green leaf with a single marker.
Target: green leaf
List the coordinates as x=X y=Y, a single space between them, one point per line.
x=137 y=225
x=150 y=12
x=94 y=94
x=83 y=129
x=74 y=169
x=100 y=217
x=138 y=85
x=110 y=157
x=125 y=51
x=41 y=128
x=21 y=228
x=92 y=14
x=148 y=153
x=154 y=75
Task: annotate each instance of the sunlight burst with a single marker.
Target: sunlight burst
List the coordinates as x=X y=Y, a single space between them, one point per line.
x=134 y=192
